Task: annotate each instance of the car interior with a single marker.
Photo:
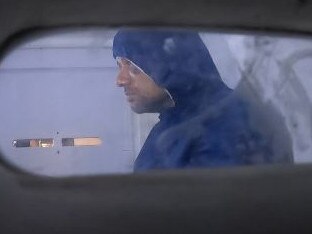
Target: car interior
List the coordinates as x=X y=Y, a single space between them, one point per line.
x=47 y=185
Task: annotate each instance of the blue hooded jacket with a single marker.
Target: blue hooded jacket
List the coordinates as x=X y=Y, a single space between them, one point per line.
x=209 y=126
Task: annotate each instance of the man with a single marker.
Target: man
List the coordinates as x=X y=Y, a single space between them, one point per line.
x=202 y=122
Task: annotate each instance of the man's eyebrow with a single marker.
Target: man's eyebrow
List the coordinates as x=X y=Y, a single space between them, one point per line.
x=121 y=60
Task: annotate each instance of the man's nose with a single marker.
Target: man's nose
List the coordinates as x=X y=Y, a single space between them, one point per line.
x=123 y=78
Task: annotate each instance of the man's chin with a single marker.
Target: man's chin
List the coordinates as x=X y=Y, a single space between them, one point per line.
x=138 y=110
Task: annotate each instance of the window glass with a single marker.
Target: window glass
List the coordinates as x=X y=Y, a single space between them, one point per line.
x=97 y=101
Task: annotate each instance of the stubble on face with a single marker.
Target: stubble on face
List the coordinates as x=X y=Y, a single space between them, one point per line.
x=143 y=94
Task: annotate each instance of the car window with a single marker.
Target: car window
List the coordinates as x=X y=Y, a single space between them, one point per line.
x=105 y=101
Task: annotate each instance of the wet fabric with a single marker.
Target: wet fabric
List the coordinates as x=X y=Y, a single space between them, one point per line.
x=209 y=125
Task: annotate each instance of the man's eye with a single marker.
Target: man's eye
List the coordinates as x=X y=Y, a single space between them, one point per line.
x=134 y=69
x=118 y=64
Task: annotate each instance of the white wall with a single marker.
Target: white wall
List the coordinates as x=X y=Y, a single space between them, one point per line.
x=64 y=86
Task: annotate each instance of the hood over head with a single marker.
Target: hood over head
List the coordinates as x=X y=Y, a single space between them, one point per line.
x=176 y=60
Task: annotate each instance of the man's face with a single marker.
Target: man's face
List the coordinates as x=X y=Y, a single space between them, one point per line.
x=143 y=94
